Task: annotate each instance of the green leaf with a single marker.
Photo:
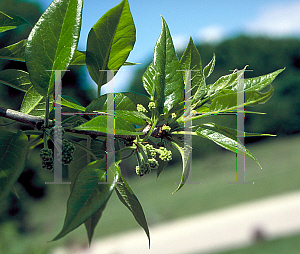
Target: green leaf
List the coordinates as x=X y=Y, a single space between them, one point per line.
x=13 y=150
x=35 y=104
x=122 y=101
x=185 y=153
x=17 y=52
x=258 y=83
x=78 y=58
x=191 y=60
x=16 y=78
x=208 y=69
x=14 y=52
x=148 y=80
x=228 y=101
x=110 y=41
x=99 y=124
x=71 y=103
x=91 y=223
x=52 y=43
x=225 y=142
x=80 y=157
x=229 y=132
x=161 y=166
x=132 y=117
x=88 y=195
x=127 y=197
x=223 y=83
x=164 y=75
x=79 y=162
x=10 y=21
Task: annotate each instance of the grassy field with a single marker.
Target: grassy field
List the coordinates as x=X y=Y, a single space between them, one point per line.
x=280 y=174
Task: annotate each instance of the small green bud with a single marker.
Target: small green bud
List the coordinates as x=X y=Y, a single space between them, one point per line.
x=173 y=115
x=153 y=163
x=150 y=150
x=141 y=108
x=166 y=128
x=151 y=105
x=165 y=155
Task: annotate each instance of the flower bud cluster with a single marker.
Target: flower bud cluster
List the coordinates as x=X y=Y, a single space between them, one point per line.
x=68 y=149
x=46 y=155
x=147 y=161
x=151 y=105
x=141 y=108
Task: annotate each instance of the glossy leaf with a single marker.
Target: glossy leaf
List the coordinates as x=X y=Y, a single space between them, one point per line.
x=14 y=52
x=231 y=133
x=110 y=41
x=127 y=197
x=17 y=79
x=208 y=69
x=52 y=43
x=71 y=103
x=13 y=150
x=228 y=101
x=223 y=83
x=191 y=61
x=35 y=104
x=185 y=153
x=99 y=124
x=225 y=142
x=10 y=21
x=122 y=101
x=88 y=195
x=79 y=162
x=132 y=117
x=148 y=80
x=17 y=52
x=78 y=58
x=258 y=83
x=163 y=75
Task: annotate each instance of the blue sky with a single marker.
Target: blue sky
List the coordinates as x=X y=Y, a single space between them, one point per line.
x=204 y=20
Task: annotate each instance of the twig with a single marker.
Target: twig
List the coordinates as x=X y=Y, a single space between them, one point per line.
x=38 y=123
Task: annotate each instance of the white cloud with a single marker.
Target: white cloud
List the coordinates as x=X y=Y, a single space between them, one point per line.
x=211 y=34
x=180 y=42
x=277 y=19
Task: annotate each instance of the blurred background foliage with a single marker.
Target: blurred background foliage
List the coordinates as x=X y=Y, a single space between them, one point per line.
x=262 y=55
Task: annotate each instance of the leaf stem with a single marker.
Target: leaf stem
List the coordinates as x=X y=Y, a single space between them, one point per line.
x=151 y=130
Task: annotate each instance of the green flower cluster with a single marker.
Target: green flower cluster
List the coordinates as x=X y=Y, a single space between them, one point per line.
x=164 y=154
x=151 y=105
x=68 y=149
x=166 y=128
x=46 y=155
x=146 y=158
x=141 y=108
x=143 y=169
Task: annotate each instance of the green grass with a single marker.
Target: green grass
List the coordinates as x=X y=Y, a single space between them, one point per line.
x=278 y=157
x=288 y=245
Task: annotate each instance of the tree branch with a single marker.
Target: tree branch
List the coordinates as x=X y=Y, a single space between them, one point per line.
x=38 y=123
x=35 y=121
